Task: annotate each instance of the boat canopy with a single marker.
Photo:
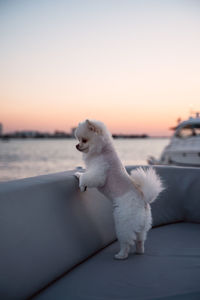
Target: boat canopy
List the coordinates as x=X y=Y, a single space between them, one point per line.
x=188 y=129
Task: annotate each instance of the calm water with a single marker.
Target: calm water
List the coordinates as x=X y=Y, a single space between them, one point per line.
x=26 y=158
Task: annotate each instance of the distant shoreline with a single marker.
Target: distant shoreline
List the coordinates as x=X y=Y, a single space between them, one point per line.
x=8 y=137
x=52 y=136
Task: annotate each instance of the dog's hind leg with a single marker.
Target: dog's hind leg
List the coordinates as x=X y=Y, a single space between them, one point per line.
x=139 y=247
x=124 y=251
x=141 y=237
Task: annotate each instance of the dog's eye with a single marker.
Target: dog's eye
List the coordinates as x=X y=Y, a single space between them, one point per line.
x=84 y=141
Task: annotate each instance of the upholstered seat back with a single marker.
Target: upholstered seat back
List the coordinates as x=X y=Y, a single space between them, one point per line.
x=48 y=227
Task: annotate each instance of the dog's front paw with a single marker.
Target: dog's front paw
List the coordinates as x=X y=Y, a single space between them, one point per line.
x=82 y=186
x=78 y=175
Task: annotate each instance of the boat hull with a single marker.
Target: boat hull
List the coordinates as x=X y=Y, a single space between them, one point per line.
x=183 y=158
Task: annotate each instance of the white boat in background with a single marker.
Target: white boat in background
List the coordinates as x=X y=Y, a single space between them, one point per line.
x=184 y=146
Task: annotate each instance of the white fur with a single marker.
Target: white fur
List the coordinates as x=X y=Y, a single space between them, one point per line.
x=149 y=182
x=130 y=195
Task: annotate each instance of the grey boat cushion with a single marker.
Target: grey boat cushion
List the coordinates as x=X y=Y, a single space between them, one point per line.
x=168 y=208
x=181 y=198
x=192 y=197
x=169 y=270
x=47 y=227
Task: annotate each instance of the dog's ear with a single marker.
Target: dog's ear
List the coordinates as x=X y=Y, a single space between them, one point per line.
x=93 y=127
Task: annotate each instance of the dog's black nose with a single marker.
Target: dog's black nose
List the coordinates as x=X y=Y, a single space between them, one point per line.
x=77 y=146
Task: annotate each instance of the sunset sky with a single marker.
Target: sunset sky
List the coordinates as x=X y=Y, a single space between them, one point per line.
x=134 y=65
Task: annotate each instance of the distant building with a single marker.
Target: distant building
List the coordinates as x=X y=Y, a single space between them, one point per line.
x=25 y=134
x=1 y=129
x=73 y=131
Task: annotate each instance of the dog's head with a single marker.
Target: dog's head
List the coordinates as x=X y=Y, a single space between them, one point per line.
x=92 y=136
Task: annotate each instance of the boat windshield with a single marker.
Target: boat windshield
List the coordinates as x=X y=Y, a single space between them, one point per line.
x=188 y=131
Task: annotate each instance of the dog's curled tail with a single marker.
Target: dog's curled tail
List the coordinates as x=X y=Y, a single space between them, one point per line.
x=148 y=182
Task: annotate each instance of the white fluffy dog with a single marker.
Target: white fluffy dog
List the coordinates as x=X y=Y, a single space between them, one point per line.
x=130 y=195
